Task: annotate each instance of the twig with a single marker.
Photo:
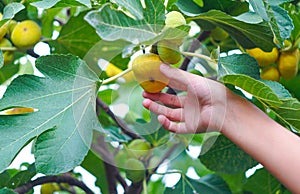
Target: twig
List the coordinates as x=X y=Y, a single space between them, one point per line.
x=116 y=76
x=53 y=179
x=167 y=155
x=119 y=121
x=112 y=172
x=194 y=46
x=32 y=53
x=198 y=56
x=8 y=48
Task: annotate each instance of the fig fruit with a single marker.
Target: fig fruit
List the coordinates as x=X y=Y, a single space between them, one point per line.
x=168 y=52
x=288 y=64
x=146 y=71
x=264 y=58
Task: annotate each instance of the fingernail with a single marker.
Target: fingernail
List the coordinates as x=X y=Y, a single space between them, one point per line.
x=164 y=67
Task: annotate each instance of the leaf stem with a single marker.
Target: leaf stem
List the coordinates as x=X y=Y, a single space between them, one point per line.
x=199 y=56
x=8 y=48
x=106 y=81
x=145 y=186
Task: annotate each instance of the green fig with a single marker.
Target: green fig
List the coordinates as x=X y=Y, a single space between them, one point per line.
x=168 y=52
x=134 y=170
x=138 y=148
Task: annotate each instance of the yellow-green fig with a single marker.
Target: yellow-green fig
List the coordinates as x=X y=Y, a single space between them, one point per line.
x=134 y=170
x=146 y=71
x=174 y=19
x=168 y=52
x=219 y=34
x=138 y=148
x=26 y=34
x=7 y=55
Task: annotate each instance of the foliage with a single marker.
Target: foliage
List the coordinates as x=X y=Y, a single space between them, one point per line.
x=73 y=114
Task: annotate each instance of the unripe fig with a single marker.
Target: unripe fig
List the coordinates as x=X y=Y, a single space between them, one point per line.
x=168 y=52
x=138 y=148
x=147 y=73
x=219 y=34
x=49 y=188
x=134 y=170
x=7 y=55
x=174 y=19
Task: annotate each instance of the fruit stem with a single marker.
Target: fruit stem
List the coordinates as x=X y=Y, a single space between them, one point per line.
x=199 y=56
x=8 y=48
x=145 y=186
x=106 y=81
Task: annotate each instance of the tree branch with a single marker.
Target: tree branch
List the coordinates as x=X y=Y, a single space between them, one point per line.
x=167 y=155
x=53 y=179
x=120 y=122
x=112 y=172
x=32 y=53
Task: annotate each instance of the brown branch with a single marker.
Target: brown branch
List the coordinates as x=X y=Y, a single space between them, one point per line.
x=194 y=46
x=32 y=53
x=112 y=172
x=53 y=179
x=124 y=128
x=167 y=155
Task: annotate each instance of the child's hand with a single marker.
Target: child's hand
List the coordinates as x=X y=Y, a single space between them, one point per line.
x=201 y=109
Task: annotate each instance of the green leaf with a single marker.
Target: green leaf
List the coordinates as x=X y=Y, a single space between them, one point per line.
x=243 y=71
x=209 y=184
x=133 y=6
x=47 y=21
x=247 y=35
x=262 y=182
x=8 y=71
x=289 y=112
x=277 y=18
x=182 y=162
x=1 y=59
x=77 y=42
x=112 y=24
x=7 y=191
x=223 y=156
x=65 y=98
x=11 y=9
x=283 y=25
x=45 y=4
x=22 y=177
x=259 y=7
x=94 y=165
x=196 y=7
x=199 y=2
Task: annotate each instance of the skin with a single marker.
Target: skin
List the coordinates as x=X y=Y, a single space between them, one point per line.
x=209 y=106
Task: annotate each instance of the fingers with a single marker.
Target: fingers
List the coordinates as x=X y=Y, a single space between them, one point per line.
x=172 y=126
x=179 y=79
x=172 y=114
x=167 y=99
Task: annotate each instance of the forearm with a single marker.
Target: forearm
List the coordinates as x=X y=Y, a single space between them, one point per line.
x=275 y=147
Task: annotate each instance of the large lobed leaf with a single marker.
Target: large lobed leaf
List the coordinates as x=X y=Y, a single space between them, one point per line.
x=242 y=71
x=143 y=25
x=209 y=184
x=277 y=18
x=76 y=37
x=247 y=35
x=223 y=156
x=65 y=99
